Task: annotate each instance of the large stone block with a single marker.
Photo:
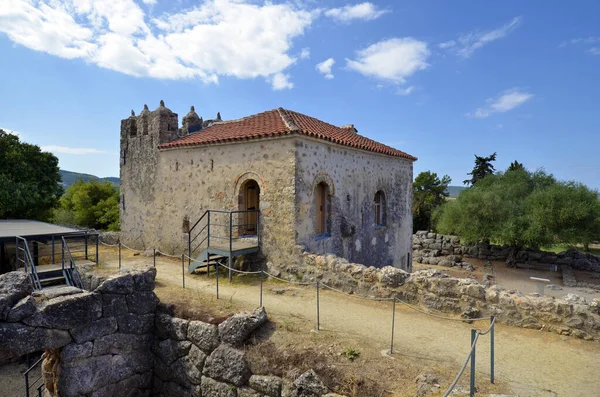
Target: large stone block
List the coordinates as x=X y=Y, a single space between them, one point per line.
x=14 y=286
x=308 y=385
x=269 y=385
x=113 y=305
x=136 y=323
x=66 y=312
x=170 y=350
x=117 y=284
x=82 y=377
x=144 y=279
x=227 y=364
x=76 y=351
x=21 y=339
x=95 y=329
x=212 y=388
x=237 y=328
x=204 y=335
x=24 y=308
x=169 y=327
x=119 y=343
x=392 y=277
x=142 y=302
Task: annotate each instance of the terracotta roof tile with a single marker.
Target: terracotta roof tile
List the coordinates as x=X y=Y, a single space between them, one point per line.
x=282 y=122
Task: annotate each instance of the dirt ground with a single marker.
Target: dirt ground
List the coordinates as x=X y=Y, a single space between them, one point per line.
x=528 y=363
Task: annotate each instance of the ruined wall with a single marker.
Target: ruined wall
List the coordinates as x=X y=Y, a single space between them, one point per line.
x=96 y=342
x=354 y=177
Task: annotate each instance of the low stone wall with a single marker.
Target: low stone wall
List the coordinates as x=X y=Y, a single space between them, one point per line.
x=433 y=248
x=436 y=290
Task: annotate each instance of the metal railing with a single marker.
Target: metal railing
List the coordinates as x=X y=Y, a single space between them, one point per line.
x=219 y=225
x=34 y=385
x=23 y=256
x=72 y=272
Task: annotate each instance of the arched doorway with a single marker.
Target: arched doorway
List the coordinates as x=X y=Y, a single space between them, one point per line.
x=321 y=207
x=250 y=196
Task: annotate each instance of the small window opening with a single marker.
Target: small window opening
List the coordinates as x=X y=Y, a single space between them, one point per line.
x=321 y=207
x=380 y=214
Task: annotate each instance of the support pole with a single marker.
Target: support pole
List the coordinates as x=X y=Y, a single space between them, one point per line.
x=230 y=265
x=472 y=388
x=183 y=270
x=230 y=243
x=261 y=288
x=97 y=242
x=318 y=310
x=86 y=247
x=53 y=250
x=492 y=350
x=217 y=274
x=119 y=255
x=154 y=256
x=393 y=322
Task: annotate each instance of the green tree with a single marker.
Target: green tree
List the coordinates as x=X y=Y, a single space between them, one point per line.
x=429 y=192
x=29 y=180
x=515 y=165
x=90 y=204
x=523 y=209
x=483 y=167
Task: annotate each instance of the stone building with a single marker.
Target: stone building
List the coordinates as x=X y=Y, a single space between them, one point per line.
x=312 y=184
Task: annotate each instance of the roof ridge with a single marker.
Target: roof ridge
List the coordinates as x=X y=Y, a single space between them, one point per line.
x=287 y=120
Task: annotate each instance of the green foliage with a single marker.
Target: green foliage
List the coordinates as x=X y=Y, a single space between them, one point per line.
x=515 y=166
x=523 y=209
x=90 y=204
x=350 y=353
x=29 y=180
x=483 y=167
x=429 y=192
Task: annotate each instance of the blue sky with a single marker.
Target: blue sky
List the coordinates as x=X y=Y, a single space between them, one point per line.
x=441 y=80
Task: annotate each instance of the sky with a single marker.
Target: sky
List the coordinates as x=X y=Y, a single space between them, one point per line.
x=440 y=80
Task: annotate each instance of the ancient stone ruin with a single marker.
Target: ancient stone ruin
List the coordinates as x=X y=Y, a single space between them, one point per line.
x=117 y=340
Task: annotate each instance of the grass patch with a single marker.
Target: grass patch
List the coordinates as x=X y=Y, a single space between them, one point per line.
x=558 y=248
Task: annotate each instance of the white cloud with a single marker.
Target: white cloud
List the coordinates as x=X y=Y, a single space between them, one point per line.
x=149 y=2
x=406 y=91
x=595 y=50
x=70 y=150
x=12 y=132
x=325 y=67
x=365 y=11
x=468 y=43
x=237 y=38
x=305 y=53
x=282 y=82
x=506 y=101
x=393 y=60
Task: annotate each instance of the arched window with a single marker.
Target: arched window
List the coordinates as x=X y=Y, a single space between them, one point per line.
x=321 y=206
x=380 y=209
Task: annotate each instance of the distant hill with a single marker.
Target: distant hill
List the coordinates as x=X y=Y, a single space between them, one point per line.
x=69 y=177
x=454 y=191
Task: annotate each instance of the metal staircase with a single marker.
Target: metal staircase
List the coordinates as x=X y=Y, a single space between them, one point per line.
x=219 y=236
x=65 y=273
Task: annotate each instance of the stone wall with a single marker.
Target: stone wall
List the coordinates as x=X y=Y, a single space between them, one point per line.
x=434 y=248
x=354 y=177
x=95 y=342
x=571 y=315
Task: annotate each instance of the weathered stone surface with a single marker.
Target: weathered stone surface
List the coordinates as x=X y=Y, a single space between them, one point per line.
x=66 y=312
x=113 y=305
x=118 y=284
x=237 y=328
x=142 y=302
x=193 y=364
x=269 y=385
x=308 y=385
x=85 y=376
x=136 y=323
x=170 y=327
x=75 y=351
x=14 y=286
x=203 y=335
x=170 y=350
x=212 y=388
x=21 y=339
x=227 y=364
x=95 y=329
x=24 y=308
x=144 y=278
x=427 y=383
x=119 y=343
x=245 y=391
x=393 y=277
x=55 y=292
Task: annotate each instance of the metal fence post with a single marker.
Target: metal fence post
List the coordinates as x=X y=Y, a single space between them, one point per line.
x=154 y=256
x=217 y=274
x=119 y=255
x=492 y=349
x=393 y=321
x=97 y=254
x=261 y=288
x=86 y=246
x=183 y=270
x=472 y=388
x=318 y=314
x=53 y=251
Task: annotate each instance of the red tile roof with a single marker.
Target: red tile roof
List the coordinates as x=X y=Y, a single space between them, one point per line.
x=279 y=122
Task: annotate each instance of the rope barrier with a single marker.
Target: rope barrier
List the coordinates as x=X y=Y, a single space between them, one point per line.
x=108 y=245
x=131 y=249
x=480 y=332
x=170 y=256
x=238 y=271
x=464 y=366
x=357 y=296
x=287 y=281
x=442 y=317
